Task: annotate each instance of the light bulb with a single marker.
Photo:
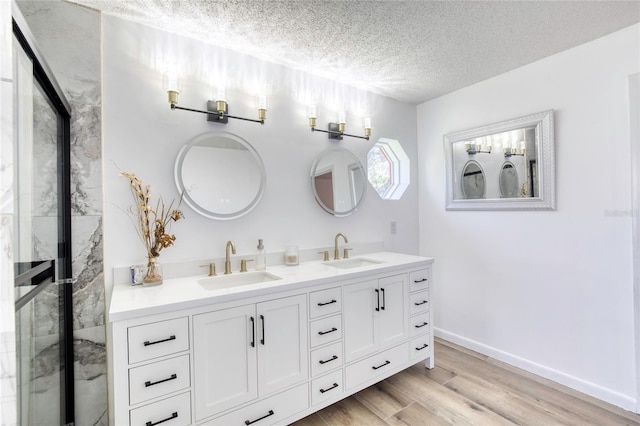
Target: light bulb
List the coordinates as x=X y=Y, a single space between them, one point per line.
x=342 y=121
x=311 y=113
x=171 y=84
x=367 y=126
x=262 y=107
x=221 y=99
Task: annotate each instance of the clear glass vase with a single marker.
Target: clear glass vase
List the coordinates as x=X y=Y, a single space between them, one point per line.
x=153 y=275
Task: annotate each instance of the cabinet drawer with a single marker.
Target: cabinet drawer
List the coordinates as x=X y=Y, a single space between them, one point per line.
x=420 y=324
x=420 y=346
x=325 y=302
x=268 y=411
x=158 y=339
x=419 y=302
x=326 y=387
x=325 y=330
x=374 y=366
x=419 y=280
x=174 y=411
x=158 y=378
x=326 y=359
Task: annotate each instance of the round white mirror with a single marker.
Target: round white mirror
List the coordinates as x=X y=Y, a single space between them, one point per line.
x=338 y=181
x=220 y=174
x=473 y=184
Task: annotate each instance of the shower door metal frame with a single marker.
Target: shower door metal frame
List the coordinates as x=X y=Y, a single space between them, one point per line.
x=43 y=75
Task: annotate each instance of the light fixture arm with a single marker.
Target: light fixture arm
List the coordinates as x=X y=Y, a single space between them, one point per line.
x=336 y=134
x=216 y=116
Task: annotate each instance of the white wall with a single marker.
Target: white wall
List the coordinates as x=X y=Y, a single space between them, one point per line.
x=550 y=291
x=142 y=135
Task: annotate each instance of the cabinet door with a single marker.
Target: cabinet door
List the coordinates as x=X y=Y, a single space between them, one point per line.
x=394 y=313
x=282 y=343
x=360 y=302
x=224 y=359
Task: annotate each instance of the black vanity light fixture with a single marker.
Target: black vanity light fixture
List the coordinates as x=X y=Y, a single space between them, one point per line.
x=218 y=110
x=336 y=130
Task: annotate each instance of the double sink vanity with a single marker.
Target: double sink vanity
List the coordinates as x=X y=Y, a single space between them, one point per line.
x=266 y=347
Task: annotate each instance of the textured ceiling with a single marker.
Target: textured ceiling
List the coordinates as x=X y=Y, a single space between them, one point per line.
x=412 y=51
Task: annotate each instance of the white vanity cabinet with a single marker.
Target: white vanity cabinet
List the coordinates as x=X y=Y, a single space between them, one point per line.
x=376 y=315
x=270 y=354
x=247 y=352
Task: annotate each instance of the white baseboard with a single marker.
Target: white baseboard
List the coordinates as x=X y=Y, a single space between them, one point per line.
x=623 y=401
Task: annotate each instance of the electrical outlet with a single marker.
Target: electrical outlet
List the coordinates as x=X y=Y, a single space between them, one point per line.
x=393 y=227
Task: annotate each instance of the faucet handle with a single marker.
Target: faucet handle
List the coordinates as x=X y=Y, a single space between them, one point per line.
x=212 y=269
x=346 y=253
x=325 y=255
x=243 y=264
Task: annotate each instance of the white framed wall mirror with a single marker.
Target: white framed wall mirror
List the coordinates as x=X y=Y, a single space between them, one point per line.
x=220 y=174
x=508 y=165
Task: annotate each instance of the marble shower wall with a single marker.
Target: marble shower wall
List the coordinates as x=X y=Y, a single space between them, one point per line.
x=69 y=38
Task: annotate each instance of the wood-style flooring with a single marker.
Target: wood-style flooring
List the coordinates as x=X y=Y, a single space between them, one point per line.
x=468 y=388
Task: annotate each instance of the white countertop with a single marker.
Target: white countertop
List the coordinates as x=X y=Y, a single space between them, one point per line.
x=129 y=301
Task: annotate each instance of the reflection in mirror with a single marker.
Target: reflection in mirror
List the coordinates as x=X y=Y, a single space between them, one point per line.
x=221 y=175
x=509 y=184
x=338 y=181
x=473 y=181
x=388 y=169
x=517 y=160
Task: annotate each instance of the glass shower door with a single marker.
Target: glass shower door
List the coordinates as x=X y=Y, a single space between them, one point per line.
x=41 y=244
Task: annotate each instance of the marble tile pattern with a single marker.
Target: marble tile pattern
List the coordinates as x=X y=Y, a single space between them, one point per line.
x=69 y=38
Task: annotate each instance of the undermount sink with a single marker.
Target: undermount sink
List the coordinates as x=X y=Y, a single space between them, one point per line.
x=356 y=262
x=236 y=279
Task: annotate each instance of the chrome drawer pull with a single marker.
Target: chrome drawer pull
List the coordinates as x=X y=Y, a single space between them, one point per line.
x=335 y=385
x=420 y=281
x=324 y=361
x=421 y=325
x=147 y=383
x=327 y=303
x=248 y=422
x=148 y=343
x=173 y=416
x=322 y=333
x=420 y=303
x=422 y=347
x=387 y=362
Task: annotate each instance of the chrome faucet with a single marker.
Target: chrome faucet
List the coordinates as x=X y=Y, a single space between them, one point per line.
x=336 y=253
x=227 y=259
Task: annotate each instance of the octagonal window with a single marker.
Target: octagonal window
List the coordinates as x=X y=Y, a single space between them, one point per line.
x=388 y=169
